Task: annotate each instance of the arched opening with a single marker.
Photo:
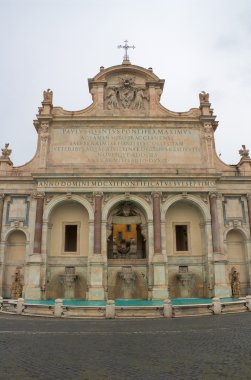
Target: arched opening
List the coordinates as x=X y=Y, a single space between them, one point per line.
x=126 y=233
x=127 y=251
x=14 y=265
x=186 y=250
x=237 y=262
x=68 y=247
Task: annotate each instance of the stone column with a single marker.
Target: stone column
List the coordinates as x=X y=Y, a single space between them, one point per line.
x=1 y=212
x=159 y=289
x=97 y=222
x=96 y=261
x=221 y=284
x=156 y=222
x=249 y=210
x=248 y=242
x=39 y=222
x=215 y=223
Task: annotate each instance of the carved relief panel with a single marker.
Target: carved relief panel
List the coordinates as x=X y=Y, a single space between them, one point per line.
x=126 y=92
x=18 y=209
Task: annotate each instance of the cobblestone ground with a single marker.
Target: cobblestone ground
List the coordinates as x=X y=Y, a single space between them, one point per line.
x=217 y=347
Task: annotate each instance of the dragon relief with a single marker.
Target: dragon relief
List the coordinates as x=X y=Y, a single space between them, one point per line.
x=126 y=95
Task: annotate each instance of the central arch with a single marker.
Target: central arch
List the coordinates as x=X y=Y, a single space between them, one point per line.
x=127 y=250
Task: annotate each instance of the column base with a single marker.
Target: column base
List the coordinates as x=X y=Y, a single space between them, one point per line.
x=96 y=273
x=159 y=293
x=96 y=293
x=159 y=289
x=32 y=293
x=222 y=291
x=32 y=289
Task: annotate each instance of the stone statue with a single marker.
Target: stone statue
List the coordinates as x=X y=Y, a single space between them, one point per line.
x=139 y=99
x=6 y=152
x=244 y=153
x=235 y=283
x=112 y=102
x=133 y=246
x=204 y=97
x=48 y=96
x=17 y=287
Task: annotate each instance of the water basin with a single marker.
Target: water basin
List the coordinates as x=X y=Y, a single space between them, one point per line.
x=130 y=302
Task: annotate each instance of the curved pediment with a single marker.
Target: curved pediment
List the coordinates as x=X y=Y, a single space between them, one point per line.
x=126 y=90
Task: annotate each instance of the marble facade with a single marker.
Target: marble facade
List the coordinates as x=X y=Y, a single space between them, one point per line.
x=125 y=199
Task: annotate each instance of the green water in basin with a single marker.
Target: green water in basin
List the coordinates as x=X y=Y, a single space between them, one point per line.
x=130 y=302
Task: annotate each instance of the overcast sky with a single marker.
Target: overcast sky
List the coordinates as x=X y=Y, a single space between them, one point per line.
x=194 y=45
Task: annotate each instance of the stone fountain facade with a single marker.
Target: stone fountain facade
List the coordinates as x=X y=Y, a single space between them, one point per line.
x=127 y=193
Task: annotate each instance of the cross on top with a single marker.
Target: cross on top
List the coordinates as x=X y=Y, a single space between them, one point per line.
x=126 y=47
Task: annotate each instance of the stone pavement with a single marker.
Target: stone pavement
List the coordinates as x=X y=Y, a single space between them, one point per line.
x=216 y=347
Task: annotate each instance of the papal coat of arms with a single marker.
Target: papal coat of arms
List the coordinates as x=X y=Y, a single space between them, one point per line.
x=126 y=95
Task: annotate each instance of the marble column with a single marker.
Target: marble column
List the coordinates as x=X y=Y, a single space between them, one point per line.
x=38 y=222
x=215 y=223
x=1 y=212
x=156 y=222
x=159 y=262
x=97 y=222
x=249 y=210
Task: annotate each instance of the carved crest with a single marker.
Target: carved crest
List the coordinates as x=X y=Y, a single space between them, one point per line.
x=126 y=209
x=126 y=95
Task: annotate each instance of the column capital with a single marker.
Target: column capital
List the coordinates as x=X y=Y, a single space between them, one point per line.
x=37 y=194
x=248 y=196
x=98 y=194
x=156 y=194
x=214 y=194
x=2 y=196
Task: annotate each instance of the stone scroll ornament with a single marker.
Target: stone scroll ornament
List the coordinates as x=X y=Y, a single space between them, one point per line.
x=126 y=95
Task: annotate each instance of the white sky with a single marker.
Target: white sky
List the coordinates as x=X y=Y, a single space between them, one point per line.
x=194 y=45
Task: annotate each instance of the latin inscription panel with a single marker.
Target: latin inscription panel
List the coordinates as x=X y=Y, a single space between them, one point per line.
x=126 y=147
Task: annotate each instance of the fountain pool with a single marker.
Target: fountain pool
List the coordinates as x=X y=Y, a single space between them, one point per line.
x=130 y=302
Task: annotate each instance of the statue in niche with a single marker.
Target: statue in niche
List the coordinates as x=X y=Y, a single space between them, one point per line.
x=6 y=152
x=112 y=102
x=133 y=246
x=48 y=96
x=235 y=283
x=17 y=286
x=204 y=97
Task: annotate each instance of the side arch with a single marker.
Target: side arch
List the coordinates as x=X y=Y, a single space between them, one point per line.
x=7 y=233
x=190 y=199
x=239 y=229
x=236 y=249
x=63 y=198
x=14 y=263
